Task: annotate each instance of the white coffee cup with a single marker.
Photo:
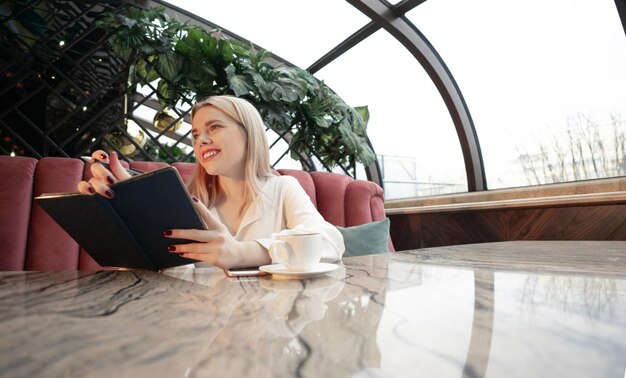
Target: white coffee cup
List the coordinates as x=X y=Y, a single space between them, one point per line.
x=297 y=252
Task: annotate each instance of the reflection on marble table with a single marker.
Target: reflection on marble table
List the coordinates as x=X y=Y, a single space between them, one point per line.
x=415 y=313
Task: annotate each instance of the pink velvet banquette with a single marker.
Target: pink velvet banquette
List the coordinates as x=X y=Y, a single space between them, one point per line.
x=31 y=240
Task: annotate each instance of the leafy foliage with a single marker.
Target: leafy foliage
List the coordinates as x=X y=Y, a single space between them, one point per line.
x=192 y=63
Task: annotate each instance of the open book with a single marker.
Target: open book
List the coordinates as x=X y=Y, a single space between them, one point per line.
x=127 y=230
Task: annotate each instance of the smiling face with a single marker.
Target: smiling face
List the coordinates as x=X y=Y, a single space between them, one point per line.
x=219 y=143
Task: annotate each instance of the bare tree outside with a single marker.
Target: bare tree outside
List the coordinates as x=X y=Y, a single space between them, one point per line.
x=587 y=150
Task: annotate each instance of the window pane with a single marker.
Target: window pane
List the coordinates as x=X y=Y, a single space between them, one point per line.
x=409 y=126
x=298 y=31
x=544 y=81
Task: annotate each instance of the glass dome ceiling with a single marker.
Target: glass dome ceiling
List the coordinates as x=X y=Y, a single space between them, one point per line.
x=544 y=84
x=462 y=95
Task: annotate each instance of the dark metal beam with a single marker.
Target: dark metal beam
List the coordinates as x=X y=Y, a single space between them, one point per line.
x=406 y=5
x=399 y=9
x=344 y=46
x=621 y=10
x=416 y=43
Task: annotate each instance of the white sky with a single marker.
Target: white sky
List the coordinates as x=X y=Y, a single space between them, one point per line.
x=523 y=68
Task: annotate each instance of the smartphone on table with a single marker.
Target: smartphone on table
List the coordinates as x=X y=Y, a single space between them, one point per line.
x=244 y=272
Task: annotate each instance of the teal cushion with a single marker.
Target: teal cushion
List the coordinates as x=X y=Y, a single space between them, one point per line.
x=366 y=239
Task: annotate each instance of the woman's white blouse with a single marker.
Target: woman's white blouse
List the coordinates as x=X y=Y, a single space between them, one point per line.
x=282 y=204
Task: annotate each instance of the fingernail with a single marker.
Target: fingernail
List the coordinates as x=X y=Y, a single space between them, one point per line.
x=194 y=198
x=91 y=190
x=109 y=193
x=171 y=248
x=103 y=156
x=167 y=233
x=111 y=180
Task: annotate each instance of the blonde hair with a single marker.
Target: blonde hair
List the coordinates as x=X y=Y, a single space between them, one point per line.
x=257 y=167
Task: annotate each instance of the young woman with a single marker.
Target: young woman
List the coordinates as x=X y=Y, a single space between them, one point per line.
x=240 y=200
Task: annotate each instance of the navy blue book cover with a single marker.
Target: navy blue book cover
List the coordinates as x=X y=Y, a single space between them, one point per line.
x=127 y=230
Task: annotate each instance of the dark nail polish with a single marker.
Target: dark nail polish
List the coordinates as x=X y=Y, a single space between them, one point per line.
x=194 y=198
x=167 y=233
x=109 y=193
x=103 y=156
x=91 y=190
x=171 y=248
x=110 y=180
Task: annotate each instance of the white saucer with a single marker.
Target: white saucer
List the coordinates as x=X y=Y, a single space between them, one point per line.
x=279 y=271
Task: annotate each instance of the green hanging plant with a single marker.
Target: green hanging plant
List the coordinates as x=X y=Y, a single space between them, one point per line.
x=190 y=62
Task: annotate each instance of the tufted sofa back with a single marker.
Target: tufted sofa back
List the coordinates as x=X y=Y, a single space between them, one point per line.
x=31 y=240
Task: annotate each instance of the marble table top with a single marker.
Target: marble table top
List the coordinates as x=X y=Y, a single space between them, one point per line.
x=512 y=309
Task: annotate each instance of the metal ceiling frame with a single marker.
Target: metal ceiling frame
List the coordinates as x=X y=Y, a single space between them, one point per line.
x=621 y=10
x=392 y=19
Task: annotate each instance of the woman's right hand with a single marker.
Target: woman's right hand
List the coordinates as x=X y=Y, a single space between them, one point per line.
x=102 y=177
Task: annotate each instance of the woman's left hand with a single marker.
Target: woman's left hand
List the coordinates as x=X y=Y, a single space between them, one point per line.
x=215 y=245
